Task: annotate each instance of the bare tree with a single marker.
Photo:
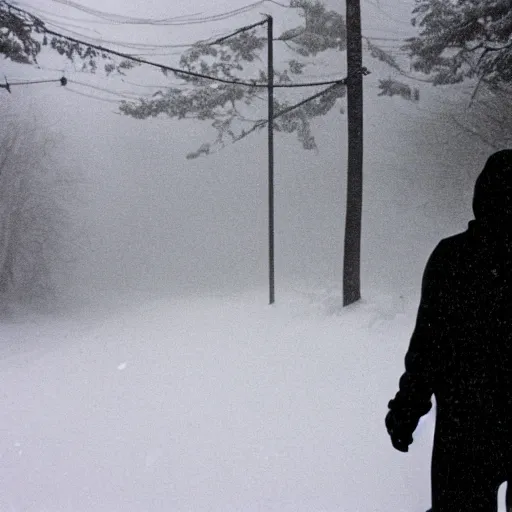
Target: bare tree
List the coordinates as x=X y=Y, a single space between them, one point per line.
x=33 y=216
x=487 y=116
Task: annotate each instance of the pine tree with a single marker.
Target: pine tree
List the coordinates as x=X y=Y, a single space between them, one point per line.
x=461 y=39
x=23 y=36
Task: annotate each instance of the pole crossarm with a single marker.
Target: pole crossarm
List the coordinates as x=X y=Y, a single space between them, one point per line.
x=7 y=86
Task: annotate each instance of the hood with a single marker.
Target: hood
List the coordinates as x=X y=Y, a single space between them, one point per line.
x=492 y=199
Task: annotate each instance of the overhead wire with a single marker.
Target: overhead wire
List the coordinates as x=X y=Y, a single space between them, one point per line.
x=157 y=54
x=113 y=17
x=145 y=46
x=386 y=14
x=41 y=13
x=177 y=71
x=236 y=32
x=217 y=39
x=391 y=32
x=121 y=94
x=155 y=86
x=146 y=49
x=106 y=100
x=191 y=19
x=332 y=83
x=262 y=122
x=378 y=38
x=259 y=123
x=155 y=47
x=101 y=40
x=100 y=22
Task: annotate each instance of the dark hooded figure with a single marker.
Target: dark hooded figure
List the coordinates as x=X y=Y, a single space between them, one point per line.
x=461 y=352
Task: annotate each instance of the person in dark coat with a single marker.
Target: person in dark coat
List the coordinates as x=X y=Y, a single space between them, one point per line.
x=460 y=352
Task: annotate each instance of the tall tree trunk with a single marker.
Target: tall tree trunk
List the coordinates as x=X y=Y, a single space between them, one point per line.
x=270 y=62
x=7 y=267
x=352 y=250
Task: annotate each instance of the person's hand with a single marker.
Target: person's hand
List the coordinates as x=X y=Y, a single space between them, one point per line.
x=401 y=444
x=400 y=433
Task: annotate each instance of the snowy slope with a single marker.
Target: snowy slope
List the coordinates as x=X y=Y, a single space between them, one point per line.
x=217 y=404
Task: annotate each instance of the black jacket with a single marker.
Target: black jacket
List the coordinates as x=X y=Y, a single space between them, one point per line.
x=461 y=347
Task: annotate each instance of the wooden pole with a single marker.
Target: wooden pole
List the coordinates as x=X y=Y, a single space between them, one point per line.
x=270 y=62
x=352 y=249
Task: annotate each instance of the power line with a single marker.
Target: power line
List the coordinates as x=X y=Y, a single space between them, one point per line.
x=53 y=22
x=143 y=46
x=281 y=4
x=392 y=39
x=325 y=76
x=263 y=122
x=120 y=94
x=102 y=40
x=289 y=109
x=113 y=17
x=106 y=100
x=236 y=32
x=138 y=46
x=156 y=54
x=154 y=86
x=387 y=15
x=100 y=22
x=170 y=68
x=260 y=123
x=174 y=21
x=135 y=46
x=146 y=46
x=391 y=32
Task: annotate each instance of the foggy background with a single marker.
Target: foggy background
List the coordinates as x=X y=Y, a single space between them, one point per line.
x=146 y=219
x=197 y=395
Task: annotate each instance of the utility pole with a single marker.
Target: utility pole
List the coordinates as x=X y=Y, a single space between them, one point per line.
x=270 y=78
x=352 y=249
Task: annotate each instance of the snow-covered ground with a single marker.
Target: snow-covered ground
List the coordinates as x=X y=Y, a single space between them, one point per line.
x=209 y=404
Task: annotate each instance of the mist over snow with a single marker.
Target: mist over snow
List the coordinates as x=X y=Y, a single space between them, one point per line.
x=210 y=404
x=207 y=405
x=165 y=382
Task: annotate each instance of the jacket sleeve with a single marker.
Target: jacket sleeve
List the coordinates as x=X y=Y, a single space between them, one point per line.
x=423 y=357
